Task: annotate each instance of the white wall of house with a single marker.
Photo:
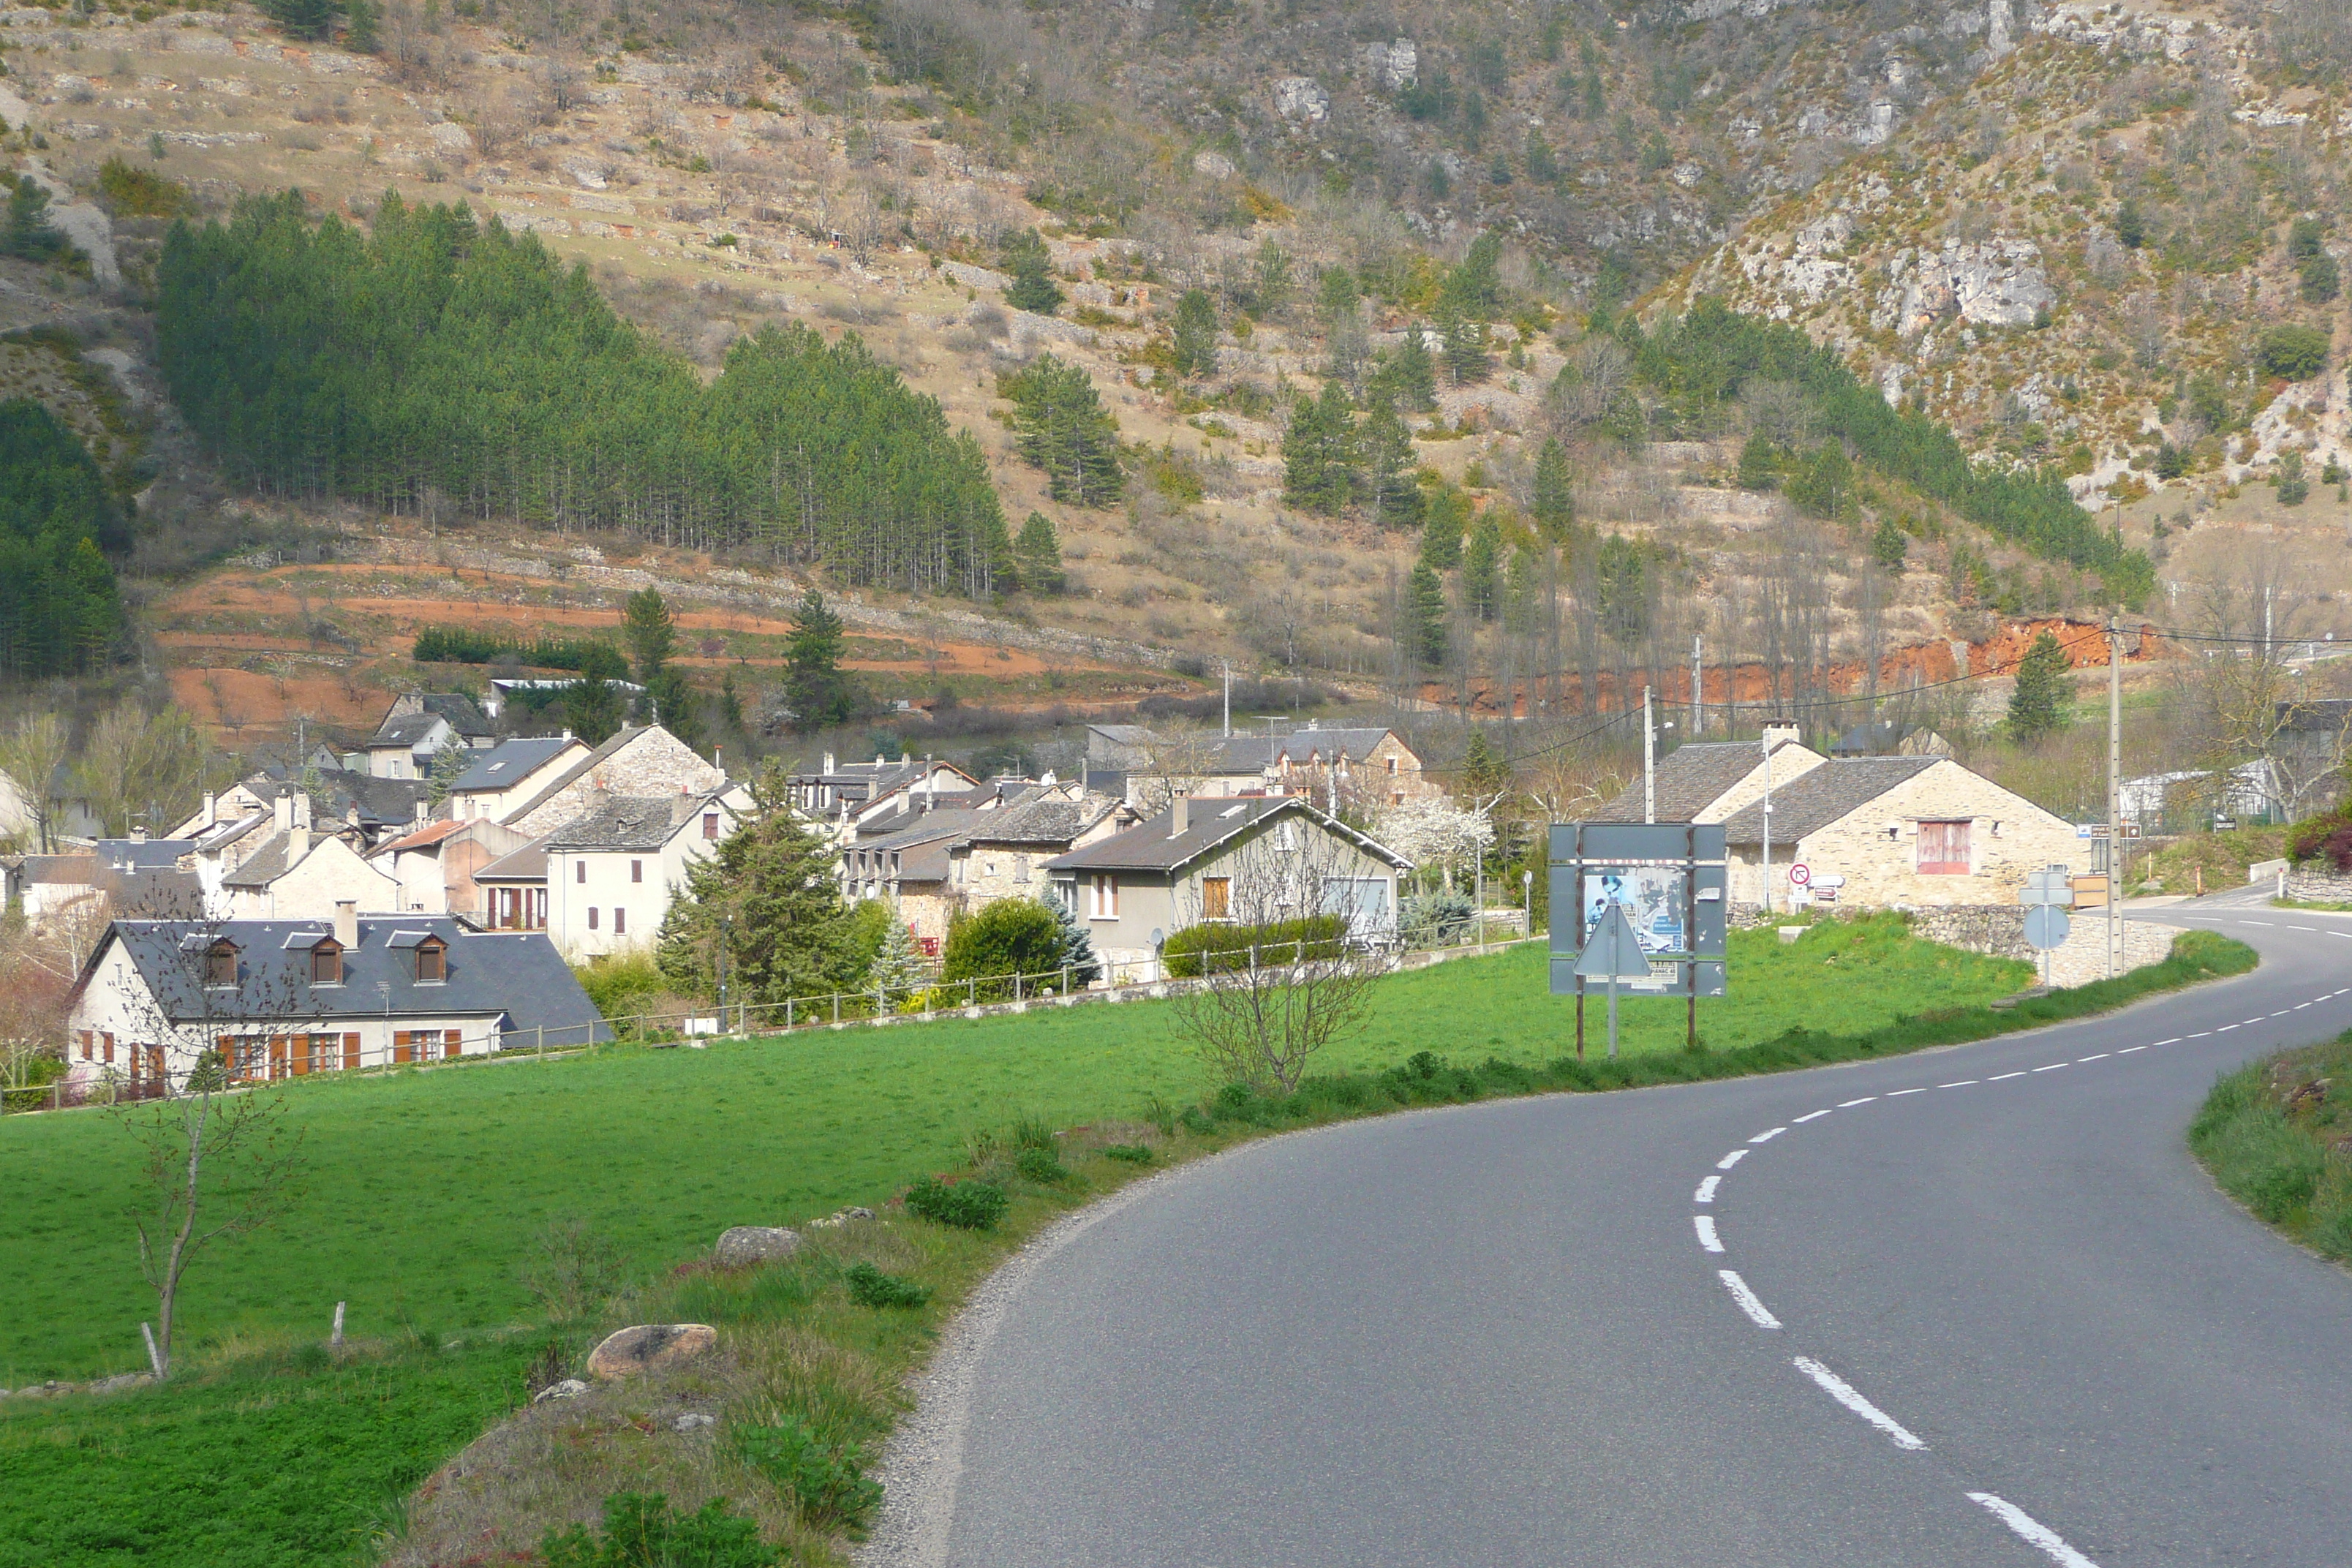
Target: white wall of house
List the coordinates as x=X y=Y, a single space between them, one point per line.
x=331 y=872
x=605 y=901
x=510 y=796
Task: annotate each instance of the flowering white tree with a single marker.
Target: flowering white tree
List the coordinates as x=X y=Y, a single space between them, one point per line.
x=1437 y=834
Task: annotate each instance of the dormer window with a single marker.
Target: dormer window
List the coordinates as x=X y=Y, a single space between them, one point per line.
x=220 y=964
x=327 y=963
x=432 y=961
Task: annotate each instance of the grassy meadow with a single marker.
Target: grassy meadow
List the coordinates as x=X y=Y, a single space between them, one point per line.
x=423 y=1189
x=427 y=1189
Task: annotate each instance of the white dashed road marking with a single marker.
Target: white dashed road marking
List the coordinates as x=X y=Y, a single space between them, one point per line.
x=1899 y=1093
x=2005 y=1077
x=2031 y=1530
x=1705 y=1194
x=1731 y=1159
x=1961 y=1084
x=1746 y=1300
x=1704 y=1224
x=1768 y=1137
x=1850 y=1104
x=1842 y=1391
x=1807 y=1116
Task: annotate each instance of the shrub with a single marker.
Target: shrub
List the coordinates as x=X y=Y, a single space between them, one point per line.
x=1436 y=917
x=869 y=1287
x=623 y=985
x=1041 y=1166
x=2296 y=352
x=1132 y=1154
x=131 y=191
x=966 y=1205
x=1011 y=936
x=1224 y=948
x=641 y=1531
x=827 y=1482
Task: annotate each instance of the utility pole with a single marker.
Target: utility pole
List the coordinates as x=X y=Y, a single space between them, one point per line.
x=1229 y=699
x=1698 y=714
x=1649 y=763
x=1766 y=741
x=2114 y=789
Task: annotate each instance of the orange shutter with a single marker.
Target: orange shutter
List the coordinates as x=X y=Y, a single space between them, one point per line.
x=106 y=1044
x=352 y=1051
x=86 y=1038
x=401 y=1051
x=302 y=1061
x=453 y=1043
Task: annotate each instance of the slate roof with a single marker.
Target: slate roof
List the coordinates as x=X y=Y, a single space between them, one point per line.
x=165 y=893
x=272 y=860
x=1689 y=780
x=1152 y=847
x=631 y=822
x=408 y=729
x=382 y=803
x=519 y=975
x=527 y=864
x=1812 y=801
x=507 y=763
x=1053 y=820
x=142 y=854
x=594 y=759
x=1354 y=744
x=927 y=827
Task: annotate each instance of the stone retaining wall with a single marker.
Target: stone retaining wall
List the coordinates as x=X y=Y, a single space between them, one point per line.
x=2319 y=883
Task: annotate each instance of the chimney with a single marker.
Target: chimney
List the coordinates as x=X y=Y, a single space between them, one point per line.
x=1180 y=818
x=828 y=761
x=1779 y=734
x=567 y=731
x=138 y=833
x=281 y=811
x=212 y=809
x=347 y=922
x=423 y=810
x=298 y=841
x=303 y=809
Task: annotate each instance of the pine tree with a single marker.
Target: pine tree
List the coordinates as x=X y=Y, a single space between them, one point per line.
x=593 y=708
x=898 y=968
x=772 y=894
x=1074 y=944
x=817 y=690
x=1195 y=333
x=1061 y=428
x=1464 y=339
x=362 y=21
x=650 y=632
x=1032 y=288
x=730 y=706
x=1039 y=553
x=1481 y=569
x=1392 y=495
x=1553 y=503
x=1335 y=295
x=1441 y=535
x=1760 y=465
x=1485 y=774
x=451 y=758
x=2043 y=693
x=1318 y=452
x=1412 y=373
x=670 y=703
x=1424 y=615
x=302 y=18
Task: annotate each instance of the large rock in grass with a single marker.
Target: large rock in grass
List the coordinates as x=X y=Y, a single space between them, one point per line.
x=747 y=1244
x=650 y=1347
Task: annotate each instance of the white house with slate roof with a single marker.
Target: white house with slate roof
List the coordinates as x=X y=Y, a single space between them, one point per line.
x=282 y=999
x=612 y=872
x=417 y=726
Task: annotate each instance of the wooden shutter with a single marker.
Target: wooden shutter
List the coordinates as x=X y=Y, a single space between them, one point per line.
x=1216 y=897
x=106 y=1047
x=352 y=1051
x=278 y=1054
x=299 y=1065
x=401 y=1049
x=86 y=1037
x=1944 y=849
x=453 y=1043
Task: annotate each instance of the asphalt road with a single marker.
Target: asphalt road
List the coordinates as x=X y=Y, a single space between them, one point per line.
x=1971 y=1306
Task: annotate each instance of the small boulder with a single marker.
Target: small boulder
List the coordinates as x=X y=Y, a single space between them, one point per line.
x=1212 y=165
x=570 y=1388
x=757 y=1244
x=692 y=1423
x=649 y=1347
x=126 y=1380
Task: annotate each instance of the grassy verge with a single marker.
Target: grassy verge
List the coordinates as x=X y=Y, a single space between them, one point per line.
x=2322 y=906
x=428 y=1188
x=2275 y=1139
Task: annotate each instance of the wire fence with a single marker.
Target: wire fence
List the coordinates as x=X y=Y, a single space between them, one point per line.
x=251 y=1052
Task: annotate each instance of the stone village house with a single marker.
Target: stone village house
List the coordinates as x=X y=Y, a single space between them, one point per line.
x=1198 y=861
x=290 y=998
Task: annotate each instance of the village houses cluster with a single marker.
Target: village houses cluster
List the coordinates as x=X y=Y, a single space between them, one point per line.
x=426 y=896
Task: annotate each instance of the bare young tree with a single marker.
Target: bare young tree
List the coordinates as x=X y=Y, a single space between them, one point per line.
x=30 y=755
x=1274 y=992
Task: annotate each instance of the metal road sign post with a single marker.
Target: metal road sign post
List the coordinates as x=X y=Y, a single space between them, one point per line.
x=1613 y=953
x=2047 y=896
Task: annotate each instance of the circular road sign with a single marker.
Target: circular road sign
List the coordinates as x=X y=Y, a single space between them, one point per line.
x=2045 y=926
x=1799 y=874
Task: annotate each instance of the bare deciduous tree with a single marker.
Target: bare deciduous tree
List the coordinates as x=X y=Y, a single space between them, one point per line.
x=1266 y=1004
x=30 y=754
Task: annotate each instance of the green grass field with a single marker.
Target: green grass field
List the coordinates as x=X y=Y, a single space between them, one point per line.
x=424 y=1188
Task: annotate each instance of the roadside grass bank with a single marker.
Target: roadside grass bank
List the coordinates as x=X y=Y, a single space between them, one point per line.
x=2277 y=1138
x=808 y=1378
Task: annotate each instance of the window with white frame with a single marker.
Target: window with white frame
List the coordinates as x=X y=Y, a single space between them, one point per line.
x=1102 y=897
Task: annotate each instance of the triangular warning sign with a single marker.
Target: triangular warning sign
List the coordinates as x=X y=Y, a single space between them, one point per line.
x=1613 y=951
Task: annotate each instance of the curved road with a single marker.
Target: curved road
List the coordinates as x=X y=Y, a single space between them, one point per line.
x=1970 y=1306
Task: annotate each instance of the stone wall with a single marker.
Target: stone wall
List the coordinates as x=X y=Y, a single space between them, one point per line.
x=2319 y=883
x=1875 y=847
x=1996 y=929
